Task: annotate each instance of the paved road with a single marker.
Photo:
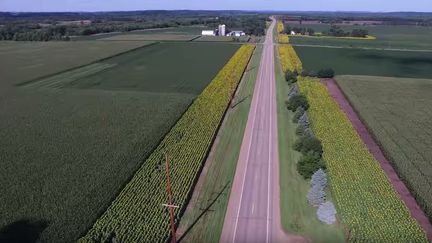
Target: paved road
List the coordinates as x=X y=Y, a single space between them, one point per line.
x=253 y=213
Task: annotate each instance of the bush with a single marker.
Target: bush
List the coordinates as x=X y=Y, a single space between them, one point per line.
x=293 y=91
x=326 y=73
x=300 y=130
x=306 y=73
x=299 y=113
x=316 y=196
x=359 y=33
x=291 y=77
x=319 y=178
x=304 y=120
x=296 y=101
x=306 y=144
x=327 y=213
x=309 y=164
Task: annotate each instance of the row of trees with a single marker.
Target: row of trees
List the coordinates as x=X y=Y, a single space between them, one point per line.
x=35 y=32
x=50 y=26
x=32 y=33
x=299 y=30
x=250 y=24
x=339 y=32
x=334 y=30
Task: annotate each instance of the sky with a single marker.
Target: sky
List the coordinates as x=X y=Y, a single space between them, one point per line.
x=290 y=5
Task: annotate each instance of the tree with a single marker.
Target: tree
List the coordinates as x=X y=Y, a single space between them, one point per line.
x=296 y=101
x=309 y=164
x=306 y=144
x=287 y=29
x=310 y=31
x=291 y=77
x=337 y=31
x=327 y=213
x=306 y=73
x=298 y=113
x=319 y=178
x=316 y=196
x=360 y=33
x=326 y=73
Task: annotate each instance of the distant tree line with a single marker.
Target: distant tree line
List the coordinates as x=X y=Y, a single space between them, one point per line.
x=339 y=32
x=299 y=30
x=250 y=24
x=33 y=33
x=396 y=18
x=49 y=26
x=334 y=30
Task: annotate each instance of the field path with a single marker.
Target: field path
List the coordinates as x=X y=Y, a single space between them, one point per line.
x=253 y=213
x=364 y=48
x=374 y=149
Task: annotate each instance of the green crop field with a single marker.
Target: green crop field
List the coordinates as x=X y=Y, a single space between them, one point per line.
x=74 y=139
x=152 y=37
x=146 y=69
x=398 y=113
x=183 y=30
x=223 y=38
x=367 y=62
x=23 y=61
x=395 y=37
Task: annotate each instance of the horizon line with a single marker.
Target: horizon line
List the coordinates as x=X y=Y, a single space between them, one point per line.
x=217 y=10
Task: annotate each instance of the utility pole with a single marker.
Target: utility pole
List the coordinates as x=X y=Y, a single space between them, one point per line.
x=170 y=204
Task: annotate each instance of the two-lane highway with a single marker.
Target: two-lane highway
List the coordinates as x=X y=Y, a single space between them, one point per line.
x=253 y=213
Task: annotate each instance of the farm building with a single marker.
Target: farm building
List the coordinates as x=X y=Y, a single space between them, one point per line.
x=221 y=30
x=208 y=33
x=236 y=33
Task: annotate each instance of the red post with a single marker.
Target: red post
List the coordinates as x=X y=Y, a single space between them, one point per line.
x=170 y=200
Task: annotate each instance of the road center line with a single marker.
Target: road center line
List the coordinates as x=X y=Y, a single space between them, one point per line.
x=249 y=146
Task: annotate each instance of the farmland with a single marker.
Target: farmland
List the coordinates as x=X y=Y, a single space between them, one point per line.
x=70 y=149
x=150 y=37
x=367 y=62
x=297 y=215
x=289 y=59
x=189 y=72
x=212 y=190
x=396 y=37
x=263 y=140
x=186 y=145
x=358 y=183
x=43 y=58
x=223 y=38
x=185 y=31
x=398 y=113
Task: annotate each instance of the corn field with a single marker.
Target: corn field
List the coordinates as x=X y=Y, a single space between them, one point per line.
x=137 y=214
x=367 y=202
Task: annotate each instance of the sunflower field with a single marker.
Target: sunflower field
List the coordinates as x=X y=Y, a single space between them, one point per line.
x=289 y=59
x=280 y=27
x=283 y=38
x=366 y=201
x=137 y=214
